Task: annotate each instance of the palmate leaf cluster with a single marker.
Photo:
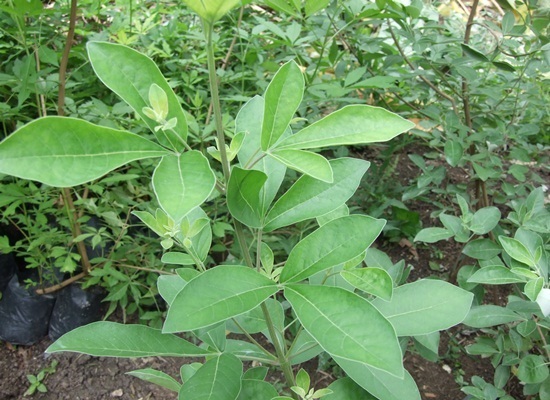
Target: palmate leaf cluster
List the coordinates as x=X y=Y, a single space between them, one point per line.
x=203 y=302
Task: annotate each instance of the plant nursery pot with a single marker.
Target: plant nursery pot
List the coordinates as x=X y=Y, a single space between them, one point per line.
x=24 y=315
x=75 y=307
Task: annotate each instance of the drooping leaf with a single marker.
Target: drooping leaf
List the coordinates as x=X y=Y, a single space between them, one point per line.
x=249 y=120
x=328 y=246
x=67 y=152
x=110 y=339
x=157 y=377
x=219 y=378
x=216 y=295
x=425 y=306
x=432 y=235
x=374 y=281
x=378 y=383
x=306 y=162
x=354 y=124
x=247 y=350
x=310 y=198
x=130 y=75
x=319 y=309
x=182 y=183
x=282 y=98
x=213 y=10
x=244 y=196
x=473 y=53
x=490 y=315
x=453 y=152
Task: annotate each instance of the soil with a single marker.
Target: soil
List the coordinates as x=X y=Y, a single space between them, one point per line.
x=80 y=377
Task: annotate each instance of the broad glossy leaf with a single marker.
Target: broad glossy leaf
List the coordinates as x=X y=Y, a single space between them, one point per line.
x=65 y=152
x=310 y=198
x=484 y=220
x=182 y=183
x=218 y=379
x=334 y=243
x=374 y=281
x=157 y=377
x=379 y=383
x=495 y=275
x=130 y=75
x=213 y=10
x=432 y=235
x=249 y=120
x=344 y=334
x=110 y=339
x=355 y=124
x=282 y=98
x=216 y=295
x=244 y=196
x=306 y=162
x=257 y=389
x=425 y=306
x=490 y=315
x=347 y=389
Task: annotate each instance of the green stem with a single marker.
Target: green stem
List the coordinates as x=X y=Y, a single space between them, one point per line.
x=209 y=29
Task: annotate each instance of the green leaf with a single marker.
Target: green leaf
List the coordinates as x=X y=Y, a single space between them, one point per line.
x=374 y=281
x=219 y=378
x=378 y=383
x=306 y=162
x=495 y=275
x=347 y=389
x=304 y=348
x=177 y=258
x=249 y=120
x=213 y=10
x=182 y=183
x=425 y=306
x=216 y=295
x=319 y=309
x=453 y=152
x=257 y=389
x=110 y=339
x=532 y=369
x=254 y=320
x=282 y=98
x=327 y=246
x=310 y=198
x=169 y=286
x=312 y=6
x=533 y=288
x=517 y=250
x=157 y=377
x=247 y=350
x=130 y=75
x=354 y=124
x=504 y=66
x=484 y=220
x=432 y=235
x=473 y=53
x=243 y=196
x=67 y=152
x=482 y=249
x=490 y=315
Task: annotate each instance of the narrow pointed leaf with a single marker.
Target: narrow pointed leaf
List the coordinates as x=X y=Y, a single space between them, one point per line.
x=157 y=377
x=110 y=339
x=216 y=295
x=425 y=306
x=379 y=383
x=360 y=334
x=182 y=183
x=306 y=162
x=355 y=124
x=249 y=120
x=244 y=196
x=130 y=75
x=310 y=198
x=282 y=98
x=218 y=379
x=374 y=281
x=67 y=152
x=327 y=246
